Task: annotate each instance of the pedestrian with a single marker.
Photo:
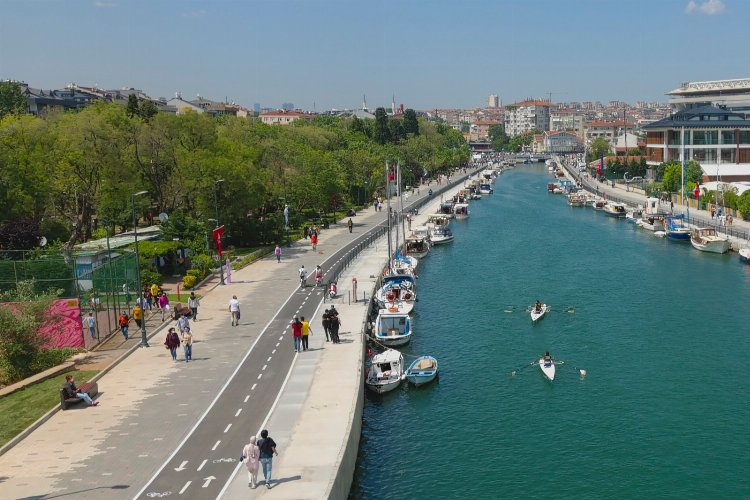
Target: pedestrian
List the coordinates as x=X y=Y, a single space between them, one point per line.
x=334 y=325
x=154 y=290
x=183 y=323
x=671 y=206
x=729 y=219
x=163 y=304
x=350 y=224
x=277 y=253
x=306 y=332
x=267 y=447
x=326 y=324
x=296 y=333
x=172 y=342
x=234 y=309
x=187 y=344
x=713 y=212
x=148 y=298
x=306 y=231
x=314 y=241
x=91 y=323
x=124 y=322
x=138 y=315
x=251 y=457
x=193 y=305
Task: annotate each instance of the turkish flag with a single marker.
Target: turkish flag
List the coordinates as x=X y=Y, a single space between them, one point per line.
x=392 y=172
x=217 y=238
x=697 y=191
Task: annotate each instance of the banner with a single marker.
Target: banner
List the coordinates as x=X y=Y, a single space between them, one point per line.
x=600 y=167
x=286 y=216
x=392 y=172
x=217 y=238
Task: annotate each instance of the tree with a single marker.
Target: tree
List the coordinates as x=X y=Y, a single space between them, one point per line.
x=382 y=131
x=132 y=109
x=12 y=100
x=19 y=234
x=498 y=137
x=147 y=109
x=743 y=205
x=694 y=172
x=672 y=179
x=599 y=148
x=411 y=125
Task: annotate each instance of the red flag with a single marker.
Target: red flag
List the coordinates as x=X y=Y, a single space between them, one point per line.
x=217 y=238
x=697 y=191
x=392 y=172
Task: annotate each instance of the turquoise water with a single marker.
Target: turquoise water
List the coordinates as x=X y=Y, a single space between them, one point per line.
x=661 y=328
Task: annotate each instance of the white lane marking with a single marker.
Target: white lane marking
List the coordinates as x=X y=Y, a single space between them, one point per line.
x=264 y=368
x=278 y=344
x=282 y=336
x=246 y=398
x=227 y=429
x=273 y=352
x=253 y=387
x=238 y=413
x=216 y=445
x=143 y=456
x=202 y=464
x=269 y=359
x=260 y=375
x=106 y=473
x=184 y=488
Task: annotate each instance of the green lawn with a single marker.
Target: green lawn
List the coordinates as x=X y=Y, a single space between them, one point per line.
x=22 y=408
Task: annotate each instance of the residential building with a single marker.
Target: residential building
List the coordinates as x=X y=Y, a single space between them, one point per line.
x=606 y=129
x=734 y=94
x=561 y=142
x=718 y=139
x=567 y=119
x=624 y=143
x=281 y=117
x=525 y=116
x=183 y=106
x=493 y=101
x=480 y=129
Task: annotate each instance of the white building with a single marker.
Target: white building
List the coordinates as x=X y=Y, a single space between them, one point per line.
x=525 y=116
x=493 y=101
x=734 y=94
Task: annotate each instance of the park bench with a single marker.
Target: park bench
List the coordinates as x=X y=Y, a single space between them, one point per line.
x=90 y=388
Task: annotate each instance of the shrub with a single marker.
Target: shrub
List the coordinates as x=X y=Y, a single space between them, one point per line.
x=205 y=264
x=149 y=277
x=189 y=281
x=249 y=259
x=52 y=357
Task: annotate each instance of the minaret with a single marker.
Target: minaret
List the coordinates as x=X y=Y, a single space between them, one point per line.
x=393 y=105
x=364 y=103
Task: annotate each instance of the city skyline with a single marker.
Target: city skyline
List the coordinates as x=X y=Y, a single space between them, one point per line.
x=323 y=55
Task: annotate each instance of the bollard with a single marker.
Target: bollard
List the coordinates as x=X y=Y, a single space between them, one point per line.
x=349 y=293
x=354 y=288
x=178 y=291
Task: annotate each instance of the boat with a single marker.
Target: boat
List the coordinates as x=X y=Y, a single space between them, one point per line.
x=674 y=229
x=634 y=215
x=424 y=369
x=439 y=219
x=417 y=246
x=537 y=315
x=440 y=235
x=397 y=288
x=548 y=368
x=705 y=239
x=744 y=255
x=461 y=210
x=576 y=200
x=476 y=196
x=598 y=204
x=393 y=327
x=386 y=372
x=485 y=188
x=614 y=209
x=651 y=223
x=446 y=209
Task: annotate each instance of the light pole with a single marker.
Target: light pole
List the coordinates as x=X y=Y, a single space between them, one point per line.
x=144 y=340
x=216 y=206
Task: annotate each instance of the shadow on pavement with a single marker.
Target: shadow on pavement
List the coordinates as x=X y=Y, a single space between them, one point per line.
x=73 y=493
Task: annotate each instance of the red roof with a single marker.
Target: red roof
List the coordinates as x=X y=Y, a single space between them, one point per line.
x=281 y=112
x=530 y=103
x=607 y=124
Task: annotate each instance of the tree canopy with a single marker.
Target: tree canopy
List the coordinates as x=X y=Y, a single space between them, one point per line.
x=12 y=100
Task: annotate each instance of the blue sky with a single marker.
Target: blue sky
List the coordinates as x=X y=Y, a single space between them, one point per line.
x=327 y=54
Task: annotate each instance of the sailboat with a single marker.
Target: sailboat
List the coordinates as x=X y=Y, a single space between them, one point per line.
x=674 y=228
x=706 y=239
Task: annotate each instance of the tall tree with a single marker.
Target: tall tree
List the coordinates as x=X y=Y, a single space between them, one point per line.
x=498 y=137
x=382 y=131
x=12 y=100
x=148 y=109
x=132 y=108
x=411 y=125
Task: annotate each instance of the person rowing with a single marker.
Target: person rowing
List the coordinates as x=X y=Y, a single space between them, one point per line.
x=538 y=306
x=547 y=359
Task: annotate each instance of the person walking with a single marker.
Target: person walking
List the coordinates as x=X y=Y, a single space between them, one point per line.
x=326 y=321
x=138 y=315
x=183 y=323
x=163 y=304
x=234 y=309
x=306 y=332
x=193 y=305
x=124 y=322
x=296 y=333
x=172 y=342
x=251 y=457
x=277 y=253
x=154 y=292
x=267 y=447
x=91 y=323
x=148 y=297
x=350 y=224
x=314 y=241
x=335 y=324
x=187 y=344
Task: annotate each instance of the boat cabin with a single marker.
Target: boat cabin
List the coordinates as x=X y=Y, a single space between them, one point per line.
x=446 y=208
x=439 y=219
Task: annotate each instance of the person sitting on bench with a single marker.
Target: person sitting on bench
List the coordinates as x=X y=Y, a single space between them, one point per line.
x=71 y=391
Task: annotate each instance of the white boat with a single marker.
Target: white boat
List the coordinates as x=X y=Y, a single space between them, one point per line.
x=576 y=200
x=614 y=209
x=461 y=210
x=547 y=367
x=392 y=327
x=417 y=246
x=744 y=254
x=706 y=240
x=397 y=288
x=439 y=219
x=485 y=188
x=386 y=372
x=537 y=315
x=476 y=196
x=440 y=235
x=424 y=369
x=598 y=204
x=651 y=223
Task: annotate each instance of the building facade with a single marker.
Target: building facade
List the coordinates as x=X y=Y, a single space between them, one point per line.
x=561 y=142
x=282 y=117
x=606 y=129
x=525 y=116
x=734 y=94
x=568 y=120
x=493 y=101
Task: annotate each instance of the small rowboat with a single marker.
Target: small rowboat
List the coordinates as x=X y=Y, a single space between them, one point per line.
x=424 y=369
x=537 y=315
x=547 y=370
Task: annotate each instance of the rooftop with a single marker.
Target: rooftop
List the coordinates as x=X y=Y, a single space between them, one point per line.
x=117 y=240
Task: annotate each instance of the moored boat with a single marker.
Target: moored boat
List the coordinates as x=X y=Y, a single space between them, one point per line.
x=674 y=229
x=651 y=223
x=461 y=210
x=417 y=246
x=614 y=209
x=392 y=327
x=386 y=372
x=744 y=254
x=706 y=240
x=423 y=370
x=440 y=235
x=397 y=288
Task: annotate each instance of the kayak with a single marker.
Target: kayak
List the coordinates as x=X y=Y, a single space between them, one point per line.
x=548 y=371
x=538 y=315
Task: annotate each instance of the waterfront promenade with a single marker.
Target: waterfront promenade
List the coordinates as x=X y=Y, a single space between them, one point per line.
x=154 y=411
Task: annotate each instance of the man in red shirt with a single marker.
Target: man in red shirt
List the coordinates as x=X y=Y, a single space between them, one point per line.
x=297 y=333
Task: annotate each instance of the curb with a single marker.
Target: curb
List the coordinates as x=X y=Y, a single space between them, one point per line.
x=35 y=379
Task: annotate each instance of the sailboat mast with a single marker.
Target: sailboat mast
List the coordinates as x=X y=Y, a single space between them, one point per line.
x=388 y=215
x=401 y=201
x=682 y=171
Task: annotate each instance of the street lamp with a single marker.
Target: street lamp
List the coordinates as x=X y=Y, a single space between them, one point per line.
x=216 y=206
x=144 y=340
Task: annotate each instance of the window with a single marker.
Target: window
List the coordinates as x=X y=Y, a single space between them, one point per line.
x=745 y=137
x=727 y=137
x=703 y=137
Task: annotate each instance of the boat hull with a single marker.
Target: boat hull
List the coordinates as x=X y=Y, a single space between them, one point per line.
x=536 y=316
x=547 y=371
x=744 y=254
x=393 y=340
x=718 y=246
x=382 y=387
x=419 y=374
x=678 y=235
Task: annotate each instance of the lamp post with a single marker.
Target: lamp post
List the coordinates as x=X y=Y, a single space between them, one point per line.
x=144 y=340
x=109 y=278
x=216 y=206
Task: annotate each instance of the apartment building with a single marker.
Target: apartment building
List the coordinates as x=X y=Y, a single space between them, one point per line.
x=525 y=116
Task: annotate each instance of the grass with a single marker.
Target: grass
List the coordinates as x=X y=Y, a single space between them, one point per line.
x=24 y=407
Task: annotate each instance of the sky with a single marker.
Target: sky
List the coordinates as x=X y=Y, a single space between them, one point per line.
x=324 y=54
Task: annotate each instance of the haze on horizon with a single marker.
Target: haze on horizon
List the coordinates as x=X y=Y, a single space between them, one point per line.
x=327 y=54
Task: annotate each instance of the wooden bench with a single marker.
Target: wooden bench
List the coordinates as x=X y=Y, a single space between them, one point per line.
x=90 y=388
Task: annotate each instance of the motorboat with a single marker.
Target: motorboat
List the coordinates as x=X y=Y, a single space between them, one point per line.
x=744 y=255
x=393 y=327
x=674 y=228
x=417 y=246
x=446 y=209
x=423 y=370
x=536 y=315
x=440 y=235
x=397 y=288
x=461 y=210
x=614 y=209
x=548 y=368
x=651 y=223
x=485 y=188
x=598 y=204
x=576 y=200
x=386 y=371
x=476 y=196
x=439 y=219
x=706 y=240
x=634 y=215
